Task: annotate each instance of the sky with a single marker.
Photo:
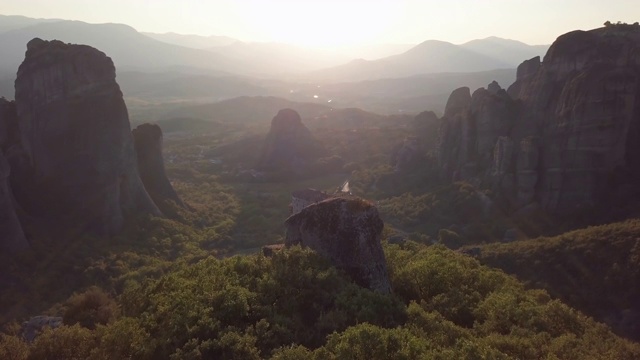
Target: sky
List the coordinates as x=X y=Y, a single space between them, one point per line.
x=327 y=23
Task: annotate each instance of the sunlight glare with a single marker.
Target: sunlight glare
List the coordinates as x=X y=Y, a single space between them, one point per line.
x=323 y=24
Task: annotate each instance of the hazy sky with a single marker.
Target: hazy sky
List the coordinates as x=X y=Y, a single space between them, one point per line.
x=343 y=22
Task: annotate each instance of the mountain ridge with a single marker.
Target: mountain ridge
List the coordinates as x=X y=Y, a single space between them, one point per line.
x=434 y=56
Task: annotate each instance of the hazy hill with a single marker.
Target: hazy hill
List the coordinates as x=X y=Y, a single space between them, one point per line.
x=259 y=110
x=410 y=95
x=373 y=51
x=175 y=86
x=402 y=95
x=192 y=41
x=280 y=59
x=11 y=22
x=218 y=43
x=511 y=51
x=263 y=57
x=128 y=48
x=594 y=270
x=433 y=56
x=219 y=55
x=245 y=110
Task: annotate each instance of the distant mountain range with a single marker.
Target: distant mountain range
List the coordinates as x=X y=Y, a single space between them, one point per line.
x=192 y=41
x=128 y=48
x=434 y=56
x=219 y=55
x=175 y=70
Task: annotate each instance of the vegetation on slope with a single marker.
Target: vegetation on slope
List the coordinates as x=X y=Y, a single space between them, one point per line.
x=296 y=306
x=163 y=289
x=596 y=270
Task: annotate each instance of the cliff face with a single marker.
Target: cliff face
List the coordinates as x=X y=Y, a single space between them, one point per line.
x=12 y=237
x=75 y=133
x=148 y=144
x=348 y=232
x=289 y=145
x=471 y=126
x=567 y=134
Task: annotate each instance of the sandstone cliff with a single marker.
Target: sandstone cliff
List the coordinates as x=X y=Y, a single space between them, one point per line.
x=289 y=146
x=74 y=130
x=566 y=136
x=148 y=144
x=348 y=232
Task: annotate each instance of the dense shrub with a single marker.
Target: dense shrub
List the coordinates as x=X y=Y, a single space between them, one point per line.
x=90 y=308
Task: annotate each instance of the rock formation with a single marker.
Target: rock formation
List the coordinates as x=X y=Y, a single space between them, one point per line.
x=567 y=134
x=289 y=146
x=75 y=133
x=32 y=328
x=148 y=144
x=348 y=232
x=471 y=126
x=406 y=156
x=425 y=126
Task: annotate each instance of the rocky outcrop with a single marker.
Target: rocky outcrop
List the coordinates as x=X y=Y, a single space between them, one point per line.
x=37 y=324
x=75 y=133
x=425 y=126
x=348 y=232
x=525 y=71
x=406 y=156
x=470 y=129
x=567 y=134
x=289 y=146
x=148 y=144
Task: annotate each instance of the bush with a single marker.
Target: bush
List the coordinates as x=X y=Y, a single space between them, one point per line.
x=13 y=348
x=66 y=342
x=90 y=308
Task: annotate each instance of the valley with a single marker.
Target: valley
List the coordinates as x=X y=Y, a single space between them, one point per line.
x=472 y=201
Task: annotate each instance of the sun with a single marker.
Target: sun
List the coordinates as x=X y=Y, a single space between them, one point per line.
x=322 y=23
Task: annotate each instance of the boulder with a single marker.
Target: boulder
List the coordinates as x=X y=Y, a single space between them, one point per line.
x=148 y=144
x=347 y=231
x=32 y=328
x=75 y=133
